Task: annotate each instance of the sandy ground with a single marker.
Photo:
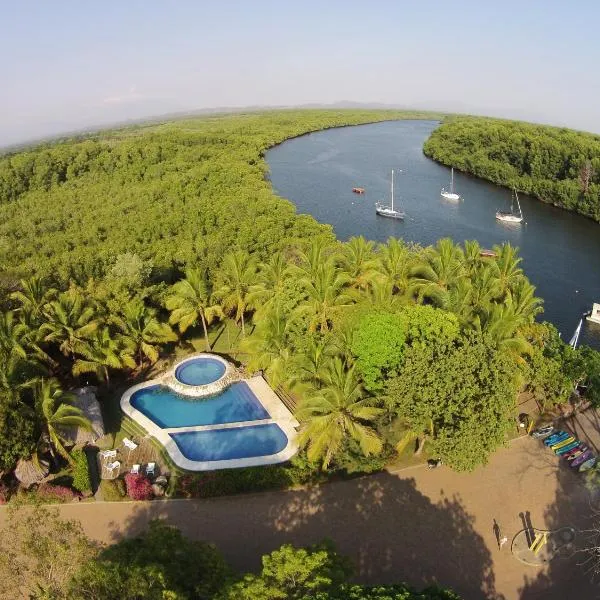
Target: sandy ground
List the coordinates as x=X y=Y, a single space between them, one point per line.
x=417 y=525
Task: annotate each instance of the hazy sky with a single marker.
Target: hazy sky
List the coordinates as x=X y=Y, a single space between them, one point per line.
x=68 y=64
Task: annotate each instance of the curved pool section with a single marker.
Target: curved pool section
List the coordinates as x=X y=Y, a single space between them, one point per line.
x=200 y=371
x=240 y=423
x=228 y=444
x=167 y=409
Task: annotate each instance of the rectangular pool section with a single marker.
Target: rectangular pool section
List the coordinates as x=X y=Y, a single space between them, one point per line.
x=167 y=409
x=228 y=444
x=206 y=424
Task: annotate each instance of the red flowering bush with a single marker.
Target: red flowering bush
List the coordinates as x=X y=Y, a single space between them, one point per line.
x=56 y=493
x=138 y=486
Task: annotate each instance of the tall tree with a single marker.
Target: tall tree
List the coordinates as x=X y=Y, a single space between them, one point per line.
x=440 y=268
x=326 y=294
x=68 y=321
x=396 y=264
x=466 y=400
x=104 y=351
x=190 y=301
x=238 y=291
x=335 y=413
x=145 y=333
x=506 y=267
x=359 y=262
x=269 y=345
x=33 y=295
x=55 y=412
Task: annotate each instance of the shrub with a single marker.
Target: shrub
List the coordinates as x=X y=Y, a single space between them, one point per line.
x=138 y=486
x=112 y=490
x=55 y=493
x=81 y=471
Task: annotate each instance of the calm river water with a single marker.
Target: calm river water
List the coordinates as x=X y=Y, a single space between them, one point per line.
x=560 y=250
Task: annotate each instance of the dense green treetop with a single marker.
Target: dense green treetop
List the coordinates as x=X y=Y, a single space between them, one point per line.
x=170 y=193
x=556 y=165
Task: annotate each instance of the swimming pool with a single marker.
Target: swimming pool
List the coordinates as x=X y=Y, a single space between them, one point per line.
x=200 y=370
x=234 y=443
x=168 y=409
x=229 y=422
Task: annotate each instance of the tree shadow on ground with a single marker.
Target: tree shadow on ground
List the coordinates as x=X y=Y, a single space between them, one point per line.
x=391 y=531
x=565 y=577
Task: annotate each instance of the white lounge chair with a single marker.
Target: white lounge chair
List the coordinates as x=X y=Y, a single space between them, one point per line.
x=150 y=467
x=129 y=444
x=108 y=453
x=135 y=469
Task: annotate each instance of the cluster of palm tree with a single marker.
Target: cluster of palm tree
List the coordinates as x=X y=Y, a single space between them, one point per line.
x=300 y=339
x=299 y=300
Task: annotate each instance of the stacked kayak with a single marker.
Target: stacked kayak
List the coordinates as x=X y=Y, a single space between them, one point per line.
x=577 y=454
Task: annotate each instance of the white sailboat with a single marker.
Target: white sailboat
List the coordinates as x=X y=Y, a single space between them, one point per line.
x=388 y=211
x=451 y=195
x=511 y=217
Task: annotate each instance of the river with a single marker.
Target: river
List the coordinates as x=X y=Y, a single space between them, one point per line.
x=560 y=250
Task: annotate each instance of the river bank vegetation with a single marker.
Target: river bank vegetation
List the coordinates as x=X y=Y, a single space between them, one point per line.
x=556 y=165
x=142 y=241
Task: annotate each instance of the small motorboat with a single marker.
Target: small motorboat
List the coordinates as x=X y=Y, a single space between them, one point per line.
x=487 y=254
x=358 y=190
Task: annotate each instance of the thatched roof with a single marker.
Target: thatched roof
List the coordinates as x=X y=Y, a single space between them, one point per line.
x=29 y=472
x=86 y=400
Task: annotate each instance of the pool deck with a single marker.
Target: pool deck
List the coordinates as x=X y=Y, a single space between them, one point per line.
x=279 y=415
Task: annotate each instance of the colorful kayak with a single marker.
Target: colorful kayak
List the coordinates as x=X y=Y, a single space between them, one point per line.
x=581 y=459
x=580 y=447
x=587 y=465
x=562 y=443
x=565 y=449
x=555 y=437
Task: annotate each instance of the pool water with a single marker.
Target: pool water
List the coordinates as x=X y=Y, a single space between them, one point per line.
x=227 y=444
x=167 y=409
x=200 y=371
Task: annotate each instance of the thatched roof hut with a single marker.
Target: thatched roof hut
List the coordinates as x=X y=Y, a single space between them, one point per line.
x=86 y=400
x=29 y=472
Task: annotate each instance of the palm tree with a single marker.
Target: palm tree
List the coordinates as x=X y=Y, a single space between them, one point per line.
x=69 y=321
x=525 y=302
x=238 y=291
x=325 y=294
x=55 y=412
x=268 y=346
x=359 y=262
x=506 y=267
x=472 y=257
x=272 y=276
x=336 y=413
x=396 y=263
x=139 y=324
x=33 y=297
x=103 y=352
x=380 y=294
x=12 y=337
x=312 y=365
x=191 y=302
x=315 y=257
x=18 y=365
x=441 y=267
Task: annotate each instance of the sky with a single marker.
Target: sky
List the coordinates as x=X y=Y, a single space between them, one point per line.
x=68 y=64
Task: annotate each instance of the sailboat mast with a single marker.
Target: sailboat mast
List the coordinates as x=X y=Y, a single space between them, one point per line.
x=392 y=189
x=519 y=204
x=452 y=181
